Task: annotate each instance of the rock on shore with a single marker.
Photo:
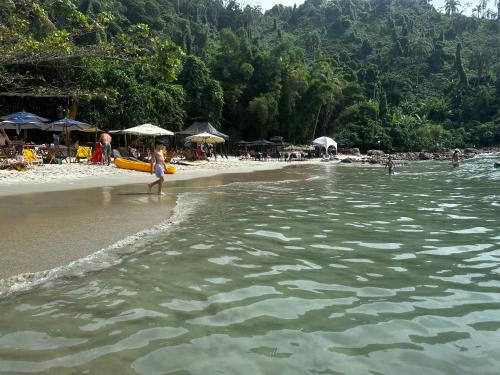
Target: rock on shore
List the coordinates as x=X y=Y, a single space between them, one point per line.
x=379 y=157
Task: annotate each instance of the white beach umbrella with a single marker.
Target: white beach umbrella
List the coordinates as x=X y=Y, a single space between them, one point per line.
x=325 y=142
x=205 y=138
x=146 y=129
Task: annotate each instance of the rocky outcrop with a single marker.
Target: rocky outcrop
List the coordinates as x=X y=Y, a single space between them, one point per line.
x=351 y=151
x=375 y=153
x=379 y=157
x=425 y=156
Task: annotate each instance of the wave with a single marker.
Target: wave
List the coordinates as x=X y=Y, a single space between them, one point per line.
x=186 y=205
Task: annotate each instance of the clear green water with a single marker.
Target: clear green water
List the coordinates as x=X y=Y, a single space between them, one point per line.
x=347 y=271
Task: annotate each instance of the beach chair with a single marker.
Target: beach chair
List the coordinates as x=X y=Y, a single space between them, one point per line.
x=49 y=155
x=123 y=152
x=83 y=153
x=117 y=154
x=168 y=154
x=9 y=152
x=30 y=157
x=3 y=155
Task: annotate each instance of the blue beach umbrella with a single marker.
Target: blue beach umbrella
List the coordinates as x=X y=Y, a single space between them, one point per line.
x=66 y=125
x=20 y=124
x=22 y=120
x=27 y=116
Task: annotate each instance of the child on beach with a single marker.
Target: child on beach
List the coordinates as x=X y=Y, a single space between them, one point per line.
x=159 y=167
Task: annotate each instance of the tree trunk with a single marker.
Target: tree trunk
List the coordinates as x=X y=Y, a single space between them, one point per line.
x=316 y=121
x=73 y=109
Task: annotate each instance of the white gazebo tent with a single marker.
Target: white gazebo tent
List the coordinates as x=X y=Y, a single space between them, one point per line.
x=325 y=142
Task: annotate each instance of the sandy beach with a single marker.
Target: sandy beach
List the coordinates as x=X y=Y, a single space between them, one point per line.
x=73 y=176
x=53 y=215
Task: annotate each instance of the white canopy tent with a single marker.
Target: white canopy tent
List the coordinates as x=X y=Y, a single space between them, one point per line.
x=325 y=142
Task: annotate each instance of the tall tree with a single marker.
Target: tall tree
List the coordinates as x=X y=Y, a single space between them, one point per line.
x=451 y=6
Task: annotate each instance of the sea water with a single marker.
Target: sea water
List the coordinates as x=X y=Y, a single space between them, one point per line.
x=345 y=270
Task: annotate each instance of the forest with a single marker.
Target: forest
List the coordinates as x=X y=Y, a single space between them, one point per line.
x=391 y=74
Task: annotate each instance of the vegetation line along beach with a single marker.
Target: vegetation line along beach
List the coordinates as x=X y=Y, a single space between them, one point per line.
x=395 y=75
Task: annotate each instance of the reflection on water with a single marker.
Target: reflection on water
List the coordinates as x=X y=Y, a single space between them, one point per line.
x=345 y=271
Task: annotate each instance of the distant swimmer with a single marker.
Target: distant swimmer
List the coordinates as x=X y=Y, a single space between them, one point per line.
x=455 y=159
x=390 y=165
x=159 y=167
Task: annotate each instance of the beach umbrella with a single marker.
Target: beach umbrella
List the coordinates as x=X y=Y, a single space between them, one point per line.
x=67 y=125
x=22 y=123
x=22 y=120
x=147 y=130
x=144 y=130
x=325 y=142
x=25 y=116
x=261 y=142
x=205 y=138
x=93 y=129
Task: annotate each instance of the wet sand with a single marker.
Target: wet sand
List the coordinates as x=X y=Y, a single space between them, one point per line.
x=74 y=176
x=43 y=230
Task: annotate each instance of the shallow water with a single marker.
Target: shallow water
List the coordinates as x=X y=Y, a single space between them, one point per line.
x=345 y=271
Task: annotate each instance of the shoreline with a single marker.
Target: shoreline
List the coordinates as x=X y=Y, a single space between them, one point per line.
x=49 y=226
x=74 y=176
x=52 y=233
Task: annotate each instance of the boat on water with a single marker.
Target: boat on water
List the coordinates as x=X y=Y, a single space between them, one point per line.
x=497 y=165
x=140 y=165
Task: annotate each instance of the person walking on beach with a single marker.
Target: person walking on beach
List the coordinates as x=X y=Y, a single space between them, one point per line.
x=455 y=159
x=159 y=167
x=105 y=140
x=391 y=165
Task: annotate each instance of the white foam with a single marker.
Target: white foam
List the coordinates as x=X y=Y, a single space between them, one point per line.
x=109 y=256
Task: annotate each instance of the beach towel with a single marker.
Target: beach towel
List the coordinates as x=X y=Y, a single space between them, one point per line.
x=97 y=155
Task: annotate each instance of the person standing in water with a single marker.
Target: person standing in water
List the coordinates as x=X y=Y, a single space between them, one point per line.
x=159 y=167
x=455 y=159
x=390 y=164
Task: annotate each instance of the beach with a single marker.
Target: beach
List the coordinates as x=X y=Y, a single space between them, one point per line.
x=73 y=176
x=53 y=215
x=324 y=266
x=57 y=214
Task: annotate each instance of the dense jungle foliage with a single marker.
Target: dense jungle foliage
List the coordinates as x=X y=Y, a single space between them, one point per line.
x=391 y=73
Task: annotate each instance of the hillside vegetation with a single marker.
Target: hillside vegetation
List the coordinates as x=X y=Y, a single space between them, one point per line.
x=394 y=73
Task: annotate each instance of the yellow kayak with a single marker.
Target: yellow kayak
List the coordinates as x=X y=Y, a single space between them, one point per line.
x=140 y=166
